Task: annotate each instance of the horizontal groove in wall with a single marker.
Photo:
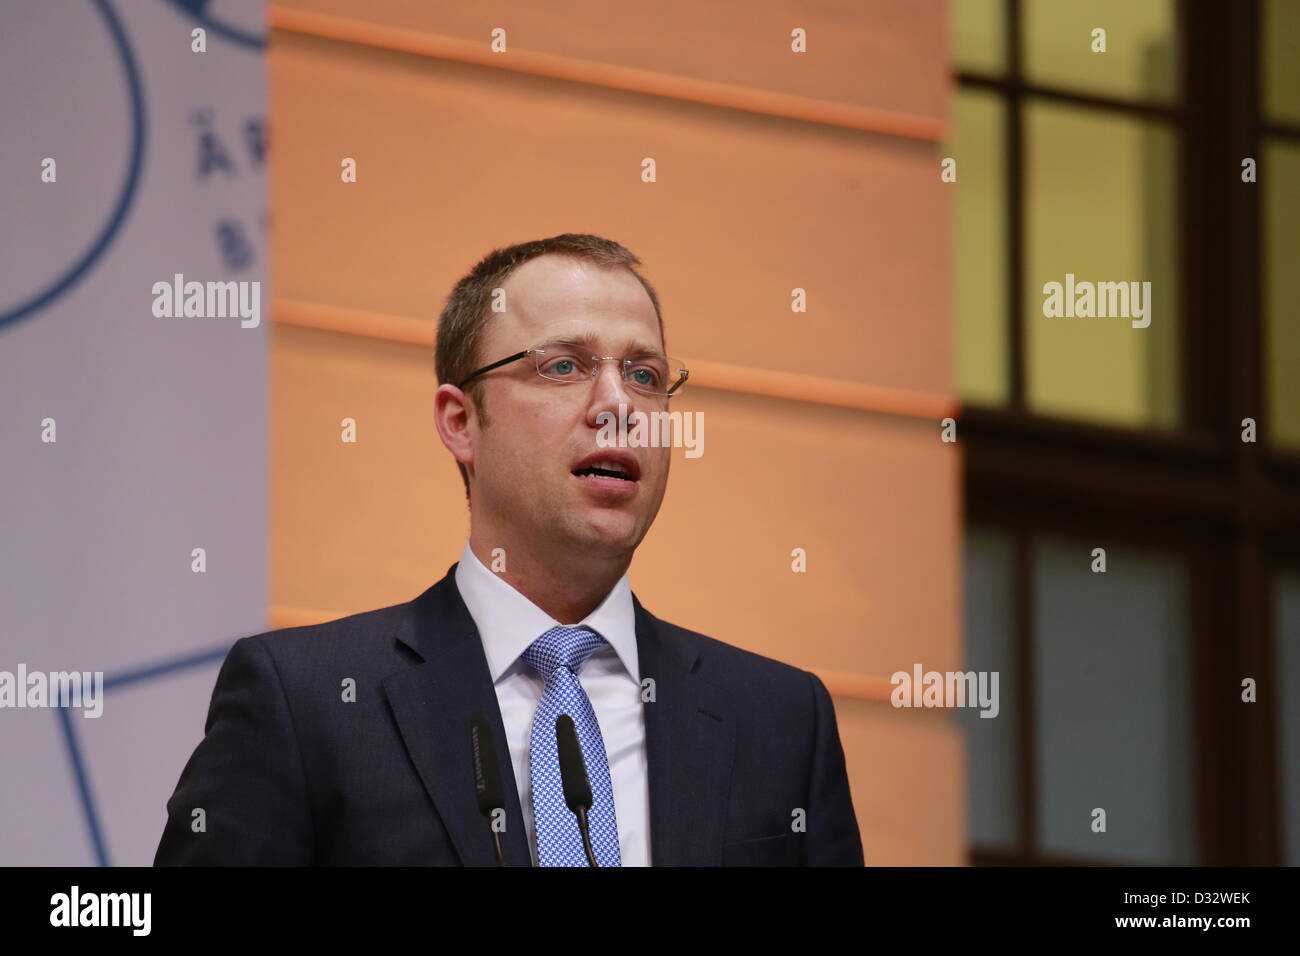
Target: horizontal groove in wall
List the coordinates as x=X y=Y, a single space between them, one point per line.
x=788 y=386
x=839 y=683
x=608 y=75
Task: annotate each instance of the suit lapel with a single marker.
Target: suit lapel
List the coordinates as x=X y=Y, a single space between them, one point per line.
x=690 y=736
x=432 y=702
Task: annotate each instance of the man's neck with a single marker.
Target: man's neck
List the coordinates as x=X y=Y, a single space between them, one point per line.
x=567 y=587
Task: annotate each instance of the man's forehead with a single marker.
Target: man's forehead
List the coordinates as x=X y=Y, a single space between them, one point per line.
x=552 y=281
x=565 y=299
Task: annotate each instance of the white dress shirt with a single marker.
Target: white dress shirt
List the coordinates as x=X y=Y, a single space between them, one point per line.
x=507 y=624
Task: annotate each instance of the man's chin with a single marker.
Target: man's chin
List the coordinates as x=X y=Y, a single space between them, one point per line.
x=607 y=534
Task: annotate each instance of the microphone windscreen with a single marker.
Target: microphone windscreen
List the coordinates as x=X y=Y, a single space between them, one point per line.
x=573 y=771
x=488 y=788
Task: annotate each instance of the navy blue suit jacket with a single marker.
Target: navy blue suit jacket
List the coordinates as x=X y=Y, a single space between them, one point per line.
x=288 y=773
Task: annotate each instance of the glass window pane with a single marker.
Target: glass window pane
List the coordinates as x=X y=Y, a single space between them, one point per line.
x=1287 y=656
x=979 y=251
x=978 y=29
x=1100 y=225
x=1113 y=705
x=1279 y=177
x=1139 y=62
x=993 y=765
x=1280 y=42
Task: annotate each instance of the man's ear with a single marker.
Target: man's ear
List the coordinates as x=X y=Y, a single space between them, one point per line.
x=457 y=421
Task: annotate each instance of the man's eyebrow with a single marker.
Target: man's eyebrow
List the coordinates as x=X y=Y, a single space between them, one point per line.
x=590 y=341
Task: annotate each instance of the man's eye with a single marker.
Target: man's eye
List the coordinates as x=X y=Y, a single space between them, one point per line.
x=645 y=376
x=564 y=367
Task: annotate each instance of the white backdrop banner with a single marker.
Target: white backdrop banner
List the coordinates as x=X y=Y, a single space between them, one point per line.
x=134 y=311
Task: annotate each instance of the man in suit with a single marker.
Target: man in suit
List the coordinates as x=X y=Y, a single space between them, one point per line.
x=349 y=742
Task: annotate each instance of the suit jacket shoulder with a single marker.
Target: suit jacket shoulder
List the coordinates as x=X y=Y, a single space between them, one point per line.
x=743 y=673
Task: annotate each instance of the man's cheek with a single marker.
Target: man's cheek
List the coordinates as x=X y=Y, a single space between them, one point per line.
x=662 y=462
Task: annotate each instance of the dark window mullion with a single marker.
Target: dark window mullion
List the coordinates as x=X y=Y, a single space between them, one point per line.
x=1023 y=561
x=1149 y=109
x=1230 y=53
x=1279 y=131
x=1015 y=199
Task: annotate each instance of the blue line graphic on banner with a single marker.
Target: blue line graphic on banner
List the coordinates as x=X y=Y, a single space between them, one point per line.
x=77 y=762
x=199 y=11
x=83 y=265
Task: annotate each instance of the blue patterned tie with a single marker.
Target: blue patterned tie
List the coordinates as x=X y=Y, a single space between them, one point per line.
x=558 y=655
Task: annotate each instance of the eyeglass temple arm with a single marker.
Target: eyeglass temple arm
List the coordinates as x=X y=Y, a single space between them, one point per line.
x=487 y=368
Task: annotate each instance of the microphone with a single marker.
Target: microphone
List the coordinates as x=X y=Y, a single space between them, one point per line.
x=573 y=778
x=487 y=775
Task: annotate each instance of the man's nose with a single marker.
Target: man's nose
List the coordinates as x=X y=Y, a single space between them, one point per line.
x=608 y=392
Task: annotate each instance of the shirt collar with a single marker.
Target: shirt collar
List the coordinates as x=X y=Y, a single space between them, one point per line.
x=508 y=622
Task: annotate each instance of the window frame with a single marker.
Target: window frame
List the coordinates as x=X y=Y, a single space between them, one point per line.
x=1229 y=509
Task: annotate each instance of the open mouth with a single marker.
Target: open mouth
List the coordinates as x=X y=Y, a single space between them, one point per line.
x=616 y=467
x=604 y=471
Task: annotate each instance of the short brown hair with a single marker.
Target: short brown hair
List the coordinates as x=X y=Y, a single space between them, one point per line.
x=460 y=327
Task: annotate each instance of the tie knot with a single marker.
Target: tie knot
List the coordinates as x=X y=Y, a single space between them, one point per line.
x=562 y=647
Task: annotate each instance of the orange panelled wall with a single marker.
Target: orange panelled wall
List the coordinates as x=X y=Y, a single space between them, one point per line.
x=775 y=171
